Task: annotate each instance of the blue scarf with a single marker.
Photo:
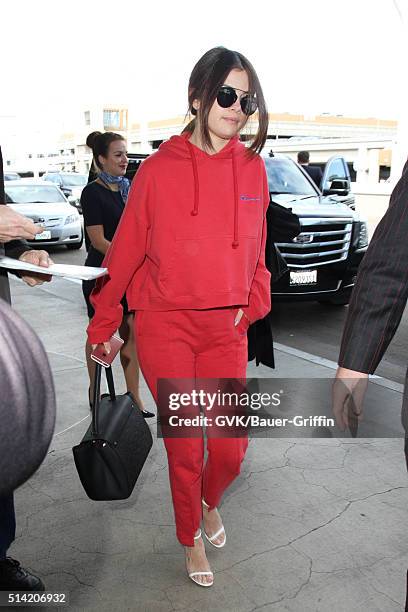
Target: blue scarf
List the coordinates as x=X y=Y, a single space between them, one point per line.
x=121 y=181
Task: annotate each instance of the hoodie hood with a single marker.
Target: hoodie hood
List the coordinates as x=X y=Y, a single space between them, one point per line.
x=180 y=146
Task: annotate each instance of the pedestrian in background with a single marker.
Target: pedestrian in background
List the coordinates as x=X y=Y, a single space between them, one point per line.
x=191 y=248
x=103 y=202
x=314 y=172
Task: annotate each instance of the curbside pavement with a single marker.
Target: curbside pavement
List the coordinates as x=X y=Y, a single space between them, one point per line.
x=313 y=524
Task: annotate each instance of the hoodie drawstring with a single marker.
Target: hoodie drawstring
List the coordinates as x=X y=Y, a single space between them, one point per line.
x=235 y=242
x=194 y=212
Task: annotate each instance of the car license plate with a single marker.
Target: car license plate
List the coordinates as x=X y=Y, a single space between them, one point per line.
x=45 y=235
x=305 y=277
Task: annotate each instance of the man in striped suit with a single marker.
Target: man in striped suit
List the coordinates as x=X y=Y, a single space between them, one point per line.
x=376 y=307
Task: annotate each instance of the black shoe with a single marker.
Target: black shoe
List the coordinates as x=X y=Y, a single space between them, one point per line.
x=13 y=577
x=147 y=414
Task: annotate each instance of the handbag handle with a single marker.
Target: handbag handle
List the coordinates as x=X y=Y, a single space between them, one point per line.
x=97 y=391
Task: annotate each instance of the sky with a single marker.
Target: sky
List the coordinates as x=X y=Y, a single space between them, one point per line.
x=335 y=56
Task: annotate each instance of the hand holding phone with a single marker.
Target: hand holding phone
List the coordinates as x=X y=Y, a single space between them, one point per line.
x=104 y=353
x=106 y=346
x=238 y=316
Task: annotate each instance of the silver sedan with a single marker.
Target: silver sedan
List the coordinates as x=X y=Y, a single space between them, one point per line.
x=46 y=205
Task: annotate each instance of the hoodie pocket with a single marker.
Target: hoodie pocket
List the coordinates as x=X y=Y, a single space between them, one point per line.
x=206 y=266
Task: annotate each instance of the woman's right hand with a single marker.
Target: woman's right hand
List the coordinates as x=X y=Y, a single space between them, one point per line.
x=106 y=346
x=238 y=316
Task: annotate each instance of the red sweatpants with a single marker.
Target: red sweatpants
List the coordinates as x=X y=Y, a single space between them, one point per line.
x=194 y=344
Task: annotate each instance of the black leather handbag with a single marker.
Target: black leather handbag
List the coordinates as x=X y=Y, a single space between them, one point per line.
x=113 y=451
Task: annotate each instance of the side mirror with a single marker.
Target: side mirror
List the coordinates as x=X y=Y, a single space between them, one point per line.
x=337 y=187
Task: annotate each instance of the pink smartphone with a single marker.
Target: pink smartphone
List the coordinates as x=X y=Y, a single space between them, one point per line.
x=101 y=356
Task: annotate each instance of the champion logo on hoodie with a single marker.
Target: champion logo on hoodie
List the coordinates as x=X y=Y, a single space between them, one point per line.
x=247 y=198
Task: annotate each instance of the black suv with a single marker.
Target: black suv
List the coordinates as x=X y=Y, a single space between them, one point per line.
x=135 y=159
x=323 y=259
x=71 y=185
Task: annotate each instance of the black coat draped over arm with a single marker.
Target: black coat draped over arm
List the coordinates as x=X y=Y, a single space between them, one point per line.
x=282 y=226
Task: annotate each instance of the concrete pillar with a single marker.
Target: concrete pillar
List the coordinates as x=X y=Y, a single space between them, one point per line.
x=144 y=135
x=373 y=166
x=361 y=166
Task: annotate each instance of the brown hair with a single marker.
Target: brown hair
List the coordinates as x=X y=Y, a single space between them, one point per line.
x=100 y=145
x=208 y=76
x=90 y=139
x=303 y=157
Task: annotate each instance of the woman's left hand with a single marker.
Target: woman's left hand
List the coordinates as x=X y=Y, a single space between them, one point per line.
x=38 y=258
x=105 y=346
x=238 y=316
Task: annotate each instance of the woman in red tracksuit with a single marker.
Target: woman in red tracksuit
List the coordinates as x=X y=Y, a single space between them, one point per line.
x=189 y=252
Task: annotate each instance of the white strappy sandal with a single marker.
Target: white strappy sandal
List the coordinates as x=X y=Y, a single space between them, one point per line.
x=215 y=535
x=192 y=574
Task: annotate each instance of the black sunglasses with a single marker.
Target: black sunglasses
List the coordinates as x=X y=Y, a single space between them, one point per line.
x=227 y=96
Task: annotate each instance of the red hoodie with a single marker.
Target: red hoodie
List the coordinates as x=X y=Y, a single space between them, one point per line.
x=192 y=236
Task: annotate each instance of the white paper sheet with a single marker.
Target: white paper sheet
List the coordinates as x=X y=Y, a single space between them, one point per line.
x=67 y=270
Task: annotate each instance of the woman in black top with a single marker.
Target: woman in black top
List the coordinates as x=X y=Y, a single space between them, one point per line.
x=103 y=202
